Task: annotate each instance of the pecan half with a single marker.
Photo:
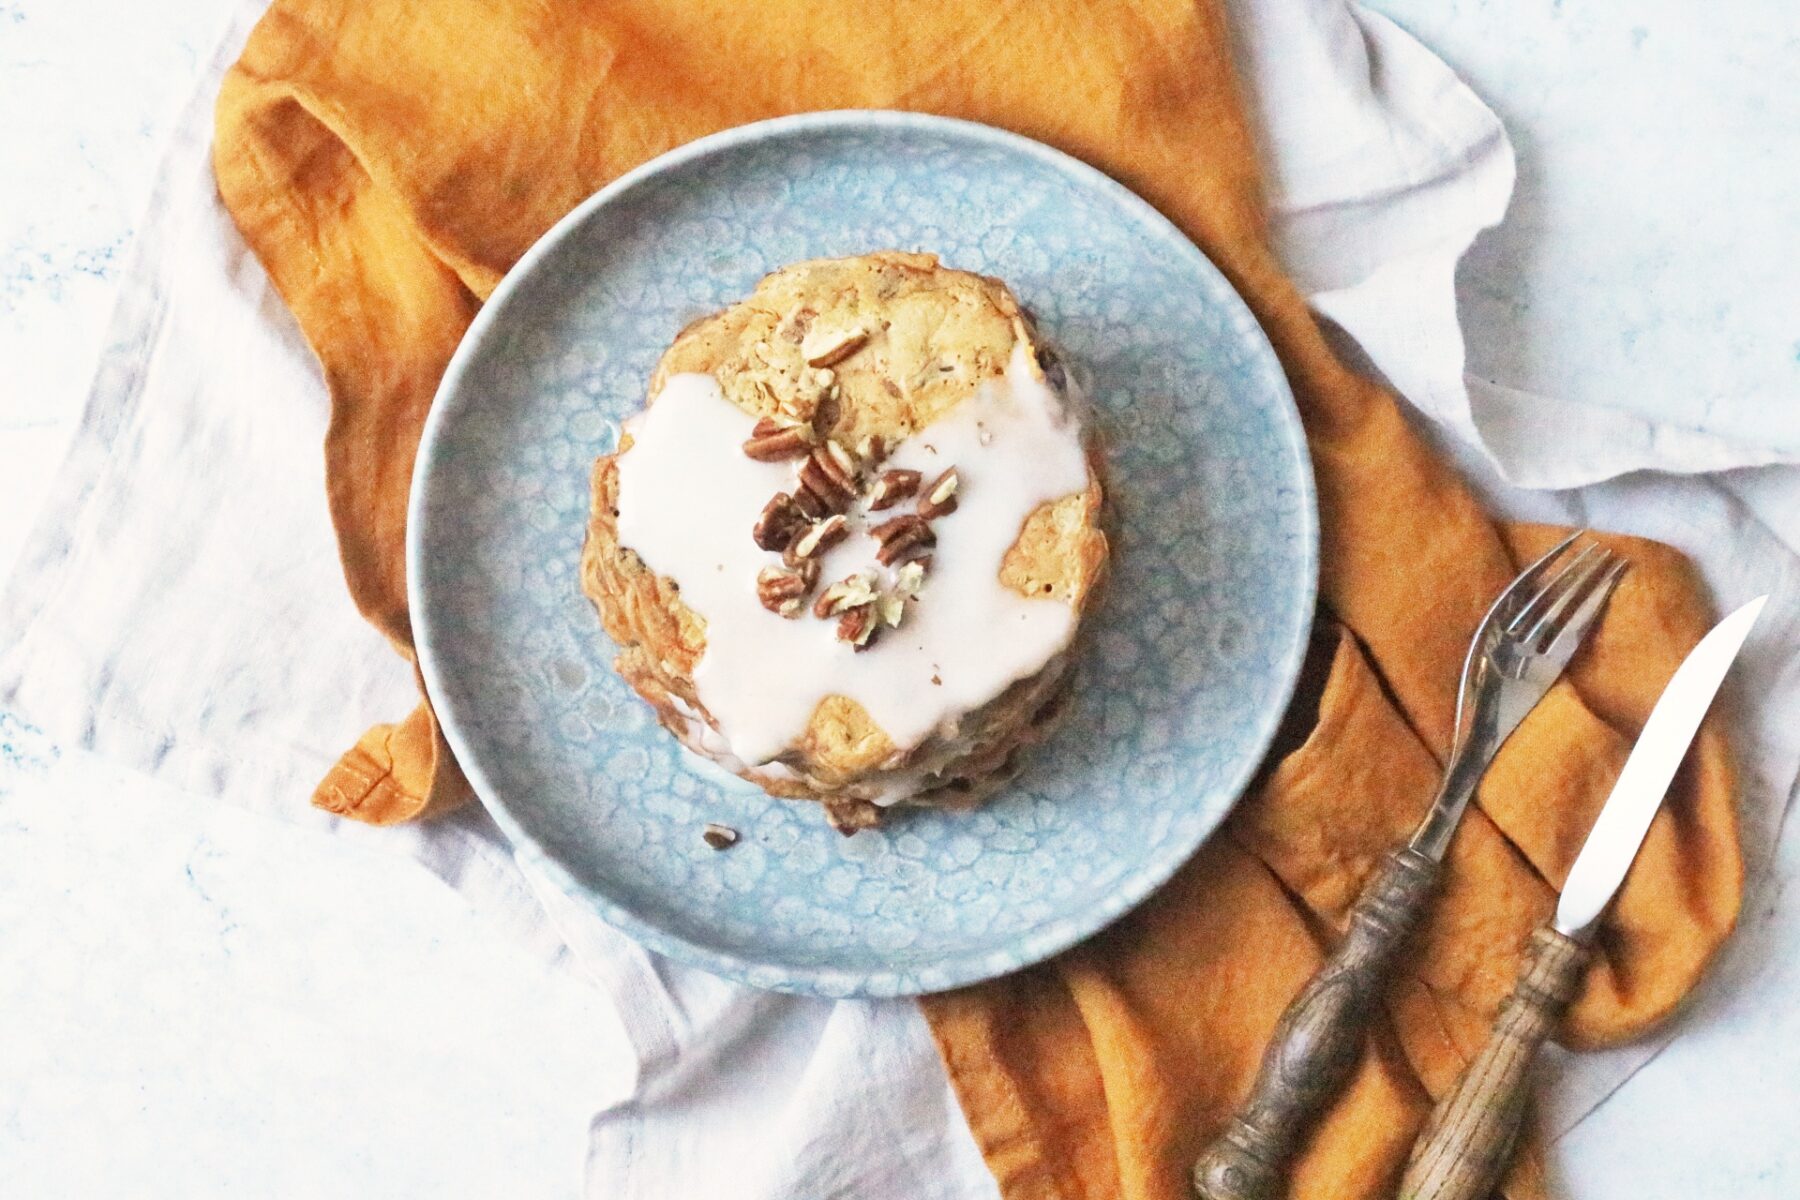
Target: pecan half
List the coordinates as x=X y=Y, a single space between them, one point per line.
x=900 y=536
x=843 y=460
x=830 y=474
x=940 y=498
x=811 y=506
x=783 y=590
x=893 y=487
x=773 y=440
x=781 y=521
x=820 y=537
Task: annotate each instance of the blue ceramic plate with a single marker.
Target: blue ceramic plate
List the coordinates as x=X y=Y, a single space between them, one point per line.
x=1185 y=669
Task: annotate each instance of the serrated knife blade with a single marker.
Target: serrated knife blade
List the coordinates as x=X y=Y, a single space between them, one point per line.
x=1625 y=818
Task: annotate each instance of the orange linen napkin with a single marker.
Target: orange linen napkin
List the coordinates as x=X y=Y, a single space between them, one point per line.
x=389 y=161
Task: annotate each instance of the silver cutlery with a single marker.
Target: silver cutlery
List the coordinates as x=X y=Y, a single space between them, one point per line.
x=1468 y=1142
x=1518 y=651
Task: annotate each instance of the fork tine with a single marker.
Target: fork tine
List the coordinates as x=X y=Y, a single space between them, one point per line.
x=1516 y=593
x=1568 y=589
x=1554 y=587
x=1568 y=640
x=1525 y=581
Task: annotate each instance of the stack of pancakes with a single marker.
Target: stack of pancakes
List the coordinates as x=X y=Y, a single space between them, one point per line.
x=927 y=338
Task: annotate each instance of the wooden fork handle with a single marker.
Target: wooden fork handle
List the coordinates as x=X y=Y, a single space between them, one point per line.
x=1318 y=1039
x=1468 y=1141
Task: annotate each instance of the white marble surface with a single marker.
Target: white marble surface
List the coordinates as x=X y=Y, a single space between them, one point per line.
x=195 y=1001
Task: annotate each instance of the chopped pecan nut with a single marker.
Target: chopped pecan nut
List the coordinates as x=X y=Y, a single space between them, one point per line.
x=853 y=592
x=900 y=536
x=800 y=408
x=892 y=607
x=893 y=487
x=820 y=537
x=847 y=814
x=774 y=439
x=828 y=347
x=798 y=324
x=858 y=626
x=781 y=521
x=719 y=837
x=910 y=578
x=940 y=498
x=871 y=450
x=782 y=590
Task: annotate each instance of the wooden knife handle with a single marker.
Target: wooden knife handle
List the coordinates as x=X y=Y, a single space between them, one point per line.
x=1468 y=1142
x=1318 y=1039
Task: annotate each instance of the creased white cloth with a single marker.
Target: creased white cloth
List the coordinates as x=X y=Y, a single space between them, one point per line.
x=1642 y=287
x=179 y=606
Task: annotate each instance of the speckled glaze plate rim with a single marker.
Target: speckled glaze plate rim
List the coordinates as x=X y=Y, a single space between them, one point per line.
x=1053 y=935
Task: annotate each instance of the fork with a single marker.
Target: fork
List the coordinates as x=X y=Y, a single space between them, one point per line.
x=1518 y=651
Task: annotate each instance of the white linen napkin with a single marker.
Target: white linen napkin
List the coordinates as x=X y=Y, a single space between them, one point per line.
x=179 y=606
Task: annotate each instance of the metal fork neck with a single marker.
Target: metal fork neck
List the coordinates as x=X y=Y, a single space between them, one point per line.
x=1432 y=838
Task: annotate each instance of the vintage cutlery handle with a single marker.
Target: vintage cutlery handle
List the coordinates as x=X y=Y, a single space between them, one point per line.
x=1318 y=1039
x=1468 y=1142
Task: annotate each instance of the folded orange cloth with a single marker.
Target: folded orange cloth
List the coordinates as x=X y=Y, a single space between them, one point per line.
x=388 y=161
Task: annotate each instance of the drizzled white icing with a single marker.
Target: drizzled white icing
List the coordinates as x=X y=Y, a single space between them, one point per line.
x=688 y=496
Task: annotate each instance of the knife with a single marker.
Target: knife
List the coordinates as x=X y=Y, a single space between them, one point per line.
x=1468 y=1142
